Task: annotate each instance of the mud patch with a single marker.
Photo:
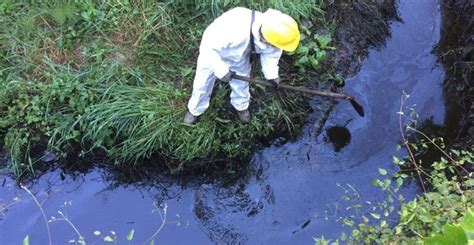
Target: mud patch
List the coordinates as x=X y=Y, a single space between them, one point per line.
x=456 y=52
x=339 y=136
x=361 y=25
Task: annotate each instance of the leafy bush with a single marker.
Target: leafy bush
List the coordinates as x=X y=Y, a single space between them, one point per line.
x=446 y=209
x=312 y=50
x=447 y=197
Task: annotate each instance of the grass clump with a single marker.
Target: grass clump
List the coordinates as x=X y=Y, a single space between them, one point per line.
x=301 y=9
x=132 y=123
x=116 y=76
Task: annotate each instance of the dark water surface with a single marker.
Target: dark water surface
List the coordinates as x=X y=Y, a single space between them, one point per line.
x=288 y=195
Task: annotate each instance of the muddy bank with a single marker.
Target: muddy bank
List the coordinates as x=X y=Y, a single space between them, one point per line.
x=456 y=53
x=360 y=25
x=352 y=19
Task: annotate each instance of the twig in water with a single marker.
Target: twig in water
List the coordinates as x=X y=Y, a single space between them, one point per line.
x=405 y=140
x=4 y=208
x=163 y=222
x=438 y=147
x=67 y=220
x=42 y=212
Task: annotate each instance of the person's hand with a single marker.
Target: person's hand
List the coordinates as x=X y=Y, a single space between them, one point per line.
x=228 y=76
x=275 y=82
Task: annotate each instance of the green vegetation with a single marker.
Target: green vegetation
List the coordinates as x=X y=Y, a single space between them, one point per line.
x=443 y=213
x=115 y=76
x=312 y=52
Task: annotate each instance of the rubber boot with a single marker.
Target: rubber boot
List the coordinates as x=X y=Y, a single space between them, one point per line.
x=189 y=118
x=244 y=116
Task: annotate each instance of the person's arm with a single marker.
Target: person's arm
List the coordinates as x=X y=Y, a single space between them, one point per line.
x=269 y=62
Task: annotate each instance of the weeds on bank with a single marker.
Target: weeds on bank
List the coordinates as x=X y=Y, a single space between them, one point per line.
x=312 y=52
x=442 y=214
x=116 y=76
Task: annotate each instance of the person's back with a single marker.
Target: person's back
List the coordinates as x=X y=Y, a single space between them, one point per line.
x=229 y=34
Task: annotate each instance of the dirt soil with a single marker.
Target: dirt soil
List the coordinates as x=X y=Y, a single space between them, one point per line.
x=360 y=25
x=456 y=52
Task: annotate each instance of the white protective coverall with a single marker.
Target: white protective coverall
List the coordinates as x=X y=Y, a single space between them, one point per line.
x=225 y=47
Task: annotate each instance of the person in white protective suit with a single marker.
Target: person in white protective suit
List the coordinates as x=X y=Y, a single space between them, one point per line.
x=225 y=50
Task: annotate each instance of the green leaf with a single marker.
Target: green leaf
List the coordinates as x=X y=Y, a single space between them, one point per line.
x=456 y=152
x=365 y=219
x=303 y=60
x=436 y=240
x=396 y=160
x=469 y=182
x=108 y=239
x=452 y=235
x=343 y=236
x=455 y=234
x=398 y=230
x=377 y=216
x=386 y=183
x=382 y=171
x=313 y=61
x=348 y=222
x=152 y=242
x=130 y=235
x=323 y=40
x=320 y=55
x=26 y=240
x=399 y=182
x=468 y=221
x=303 y=50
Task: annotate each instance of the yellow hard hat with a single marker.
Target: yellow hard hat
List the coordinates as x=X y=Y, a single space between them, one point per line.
x=280 y=30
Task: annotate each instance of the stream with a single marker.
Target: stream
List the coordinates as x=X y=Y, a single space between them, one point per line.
x=288 y=194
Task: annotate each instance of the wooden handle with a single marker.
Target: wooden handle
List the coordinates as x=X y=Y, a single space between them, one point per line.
x=296 y=89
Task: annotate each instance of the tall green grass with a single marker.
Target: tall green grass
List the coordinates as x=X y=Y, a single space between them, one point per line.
x=297 y=9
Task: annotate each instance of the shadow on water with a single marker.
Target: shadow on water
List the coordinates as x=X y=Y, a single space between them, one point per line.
x=455 y=51
x=288 y=194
